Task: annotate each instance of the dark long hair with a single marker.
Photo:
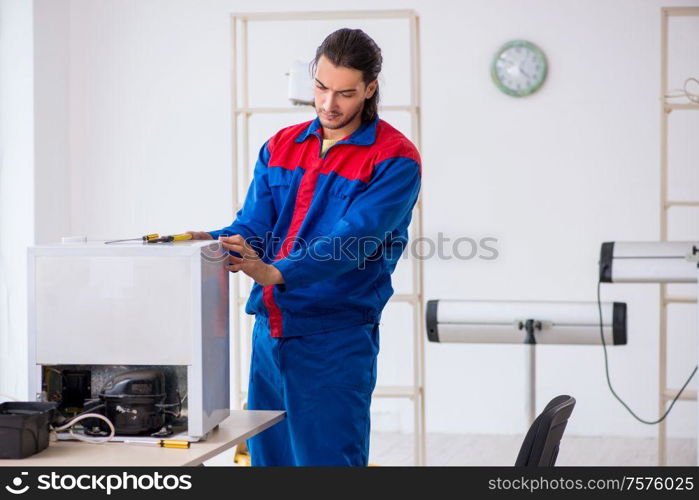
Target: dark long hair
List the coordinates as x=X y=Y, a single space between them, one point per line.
x=356 y=50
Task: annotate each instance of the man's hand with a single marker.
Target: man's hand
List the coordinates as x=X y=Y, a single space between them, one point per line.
x=250 y=263
x=199 y=235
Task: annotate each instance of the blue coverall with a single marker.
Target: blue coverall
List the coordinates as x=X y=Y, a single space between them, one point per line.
x=335 y=226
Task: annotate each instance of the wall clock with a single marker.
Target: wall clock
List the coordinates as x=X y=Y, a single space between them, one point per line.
x=519 y=68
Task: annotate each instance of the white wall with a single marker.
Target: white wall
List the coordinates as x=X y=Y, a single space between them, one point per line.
x=51 y=131
x=16 y=188
x=34 y=169
x=551 y=176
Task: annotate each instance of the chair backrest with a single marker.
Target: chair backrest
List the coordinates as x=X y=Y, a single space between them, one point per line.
x=540 y=446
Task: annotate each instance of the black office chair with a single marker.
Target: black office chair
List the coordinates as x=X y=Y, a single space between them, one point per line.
x=540 y=446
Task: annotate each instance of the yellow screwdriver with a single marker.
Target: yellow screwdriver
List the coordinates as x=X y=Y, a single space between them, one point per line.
x=172 y=237
x=162 y=443
x=148 y=237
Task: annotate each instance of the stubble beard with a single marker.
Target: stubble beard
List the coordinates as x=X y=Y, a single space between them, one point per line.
x=339 y=125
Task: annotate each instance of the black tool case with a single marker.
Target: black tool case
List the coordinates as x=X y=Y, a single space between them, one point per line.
x=24 y=428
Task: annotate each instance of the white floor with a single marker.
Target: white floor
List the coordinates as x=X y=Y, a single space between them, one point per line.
x=459 y=449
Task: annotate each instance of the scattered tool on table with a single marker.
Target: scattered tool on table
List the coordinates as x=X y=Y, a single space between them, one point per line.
x=172 y=237
x=156 y=238
x=163 y=443
x=148 y=237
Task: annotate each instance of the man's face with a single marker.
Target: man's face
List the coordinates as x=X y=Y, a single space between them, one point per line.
x=339 y=94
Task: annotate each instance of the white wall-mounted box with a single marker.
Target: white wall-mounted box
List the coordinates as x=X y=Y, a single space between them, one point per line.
x=135 y=304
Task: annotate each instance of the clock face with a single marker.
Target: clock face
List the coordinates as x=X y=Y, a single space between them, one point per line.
x=519 y=68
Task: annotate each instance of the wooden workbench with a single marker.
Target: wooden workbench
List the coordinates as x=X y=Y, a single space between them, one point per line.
x=241 y=425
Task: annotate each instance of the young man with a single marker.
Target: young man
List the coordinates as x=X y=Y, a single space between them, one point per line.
x=321 y=230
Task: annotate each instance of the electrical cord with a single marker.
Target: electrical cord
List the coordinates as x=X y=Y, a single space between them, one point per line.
x=684 y=92
x=609 y=383
x=74 y=421
x=82 y=416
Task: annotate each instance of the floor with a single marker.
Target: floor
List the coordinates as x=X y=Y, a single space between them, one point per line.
x=458 y=449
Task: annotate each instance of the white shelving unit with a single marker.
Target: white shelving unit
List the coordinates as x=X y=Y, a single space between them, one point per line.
x=243 y=111
x=666 y=204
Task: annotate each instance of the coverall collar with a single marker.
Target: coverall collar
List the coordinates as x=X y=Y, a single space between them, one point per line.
x=365 y=135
